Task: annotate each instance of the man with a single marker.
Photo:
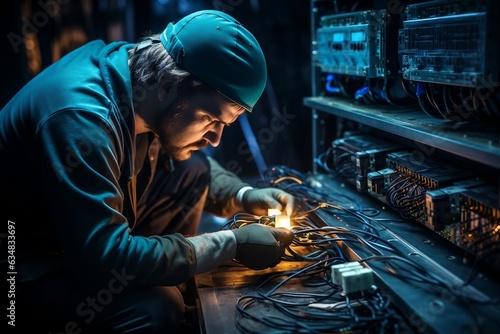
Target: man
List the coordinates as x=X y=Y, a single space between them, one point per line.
x=103 y=184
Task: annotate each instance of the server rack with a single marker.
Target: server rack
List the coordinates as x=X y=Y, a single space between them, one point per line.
x=469 y=143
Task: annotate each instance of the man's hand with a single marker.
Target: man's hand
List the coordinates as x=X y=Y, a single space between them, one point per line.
x=260 y=246
x=257 y=201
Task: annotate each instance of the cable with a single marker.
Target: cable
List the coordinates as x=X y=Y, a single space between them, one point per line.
x=411 y=92
x=435 y=98
x=320 y=247
x=371 y=312
x=424 y=103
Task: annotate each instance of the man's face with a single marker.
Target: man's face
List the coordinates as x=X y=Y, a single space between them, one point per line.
x=195 y=121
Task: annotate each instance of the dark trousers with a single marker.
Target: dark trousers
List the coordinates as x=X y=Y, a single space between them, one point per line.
x=173 y=203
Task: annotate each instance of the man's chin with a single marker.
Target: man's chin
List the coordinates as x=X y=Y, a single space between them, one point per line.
x=182 y=155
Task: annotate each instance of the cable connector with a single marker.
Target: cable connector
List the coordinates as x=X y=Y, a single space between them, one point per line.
x=338 y=269
x=357 y=280
x=352 y=277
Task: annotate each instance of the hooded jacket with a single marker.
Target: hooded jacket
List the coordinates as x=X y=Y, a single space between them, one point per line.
x=69 y=172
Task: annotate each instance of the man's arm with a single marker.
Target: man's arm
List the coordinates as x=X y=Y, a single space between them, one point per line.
x=79 y=162
x=228 y=195
x=224 y=186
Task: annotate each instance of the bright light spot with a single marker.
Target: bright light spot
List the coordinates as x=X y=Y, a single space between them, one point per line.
x=273 y=212
x=282 y=221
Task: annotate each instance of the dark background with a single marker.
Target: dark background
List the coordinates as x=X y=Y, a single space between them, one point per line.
x=35 y=33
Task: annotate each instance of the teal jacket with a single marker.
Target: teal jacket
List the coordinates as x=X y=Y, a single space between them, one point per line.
x=68 y=177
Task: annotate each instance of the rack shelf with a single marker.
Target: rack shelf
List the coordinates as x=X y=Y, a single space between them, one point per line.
x=472 y=141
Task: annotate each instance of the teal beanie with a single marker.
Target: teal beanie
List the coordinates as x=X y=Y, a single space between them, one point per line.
x=219 y=51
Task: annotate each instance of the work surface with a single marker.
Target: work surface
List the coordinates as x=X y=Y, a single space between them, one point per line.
x=219 y=291
x=417 y=307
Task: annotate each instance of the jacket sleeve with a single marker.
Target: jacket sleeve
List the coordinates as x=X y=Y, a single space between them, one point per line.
x=79 y=157
x=213 y=249
x=224 y=185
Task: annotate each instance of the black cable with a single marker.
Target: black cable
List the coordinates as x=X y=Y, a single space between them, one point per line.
x=411 y=93
x=424 y=102
x=387 y=95
x=436 y=98
x=450 y=105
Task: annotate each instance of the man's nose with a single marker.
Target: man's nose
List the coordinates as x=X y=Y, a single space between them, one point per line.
x=214 y=135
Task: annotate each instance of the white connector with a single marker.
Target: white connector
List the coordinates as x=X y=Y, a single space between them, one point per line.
x=352 y=276
x=357 y=280
x=338 y=269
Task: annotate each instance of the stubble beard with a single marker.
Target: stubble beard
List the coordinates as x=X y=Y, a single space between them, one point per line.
x=182 y=153
x=178 y=153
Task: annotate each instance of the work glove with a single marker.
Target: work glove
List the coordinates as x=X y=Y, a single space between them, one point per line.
x=257 y=201
x=259 y=246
